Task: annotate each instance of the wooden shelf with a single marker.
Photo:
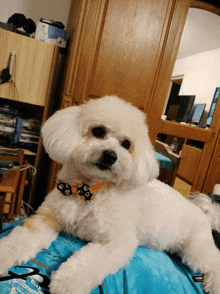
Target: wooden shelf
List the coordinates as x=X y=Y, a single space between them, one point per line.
x=186 y=131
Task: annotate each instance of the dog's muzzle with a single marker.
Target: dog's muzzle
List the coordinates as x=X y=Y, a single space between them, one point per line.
x=108 y=158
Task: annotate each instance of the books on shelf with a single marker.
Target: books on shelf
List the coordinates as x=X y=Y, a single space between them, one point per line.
x=20 y=132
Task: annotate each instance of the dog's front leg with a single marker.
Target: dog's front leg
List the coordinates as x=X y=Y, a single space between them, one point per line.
x=25 y=241
x=88 y=267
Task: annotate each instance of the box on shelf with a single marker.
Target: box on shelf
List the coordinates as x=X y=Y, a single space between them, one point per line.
x=50 y=34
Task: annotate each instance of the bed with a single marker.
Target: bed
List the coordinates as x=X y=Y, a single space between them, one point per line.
x=148 y=272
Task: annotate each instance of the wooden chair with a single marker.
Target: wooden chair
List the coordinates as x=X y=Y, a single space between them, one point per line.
x=12 y=187
x=167 y=175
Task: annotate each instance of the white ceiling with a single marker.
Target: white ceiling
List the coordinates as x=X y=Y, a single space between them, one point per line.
x=201 y=33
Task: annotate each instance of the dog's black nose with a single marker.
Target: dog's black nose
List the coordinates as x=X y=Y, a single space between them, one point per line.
x=107 y=159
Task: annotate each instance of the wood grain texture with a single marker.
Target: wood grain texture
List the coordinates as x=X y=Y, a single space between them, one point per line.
x=115 y=49
x=126 y=55
x=91 y=34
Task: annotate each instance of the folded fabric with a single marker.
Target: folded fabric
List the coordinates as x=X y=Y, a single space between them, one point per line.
x=148 y=272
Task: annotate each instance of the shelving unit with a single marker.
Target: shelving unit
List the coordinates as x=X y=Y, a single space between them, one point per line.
x=20 y=124
x=197 y=148
x=31 y=88
x=190 y=151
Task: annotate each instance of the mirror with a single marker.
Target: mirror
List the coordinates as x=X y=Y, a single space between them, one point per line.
x=195 y=84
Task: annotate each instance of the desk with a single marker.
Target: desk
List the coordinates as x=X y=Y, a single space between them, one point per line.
x=12 y=187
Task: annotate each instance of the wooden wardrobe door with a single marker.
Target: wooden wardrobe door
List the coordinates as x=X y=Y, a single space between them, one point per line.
x=116 y=50
x=161 y=90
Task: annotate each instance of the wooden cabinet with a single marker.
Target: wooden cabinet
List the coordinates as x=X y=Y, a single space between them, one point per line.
x=116 y=49
x=128 y=48
x=189 y=163
x=32 y=68
x=32 y=82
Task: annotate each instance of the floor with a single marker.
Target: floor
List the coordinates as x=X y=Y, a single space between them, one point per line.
x=181 y=186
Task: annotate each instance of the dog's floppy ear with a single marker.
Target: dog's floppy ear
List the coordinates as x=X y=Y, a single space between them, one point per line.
x=151 y=164
x=61 y=132
x=148 y=166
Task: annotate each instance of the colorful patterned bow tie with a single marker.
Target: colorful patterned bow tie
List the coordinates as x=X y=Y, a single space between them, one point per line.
x=83 y=190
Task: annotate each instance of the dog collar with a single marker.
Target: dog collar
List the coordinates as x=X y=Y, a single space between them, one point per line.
x=83 y=190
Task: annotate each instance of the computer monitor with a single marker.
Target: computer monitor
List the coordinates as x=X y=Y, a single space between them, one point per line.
x=197 y=114
x=173 y=111
x=212 y=108
x=180 y=108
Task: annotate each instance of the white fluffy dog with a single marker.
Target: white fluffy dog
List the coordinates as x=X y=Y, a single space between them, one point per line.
x=105 y=145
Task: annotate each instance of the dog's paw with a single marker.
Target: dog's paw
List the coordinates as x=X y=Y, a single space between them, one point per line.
x=64 y=285
x=5 y=263
x=7 y=258
x=67 y=283
x=8 y=255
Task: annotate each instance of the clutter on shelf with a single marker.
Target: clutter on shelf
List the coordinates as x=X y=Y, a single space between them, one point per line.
x=18 y=131
x=48 y=31
x=19 y=24
x=52 y=32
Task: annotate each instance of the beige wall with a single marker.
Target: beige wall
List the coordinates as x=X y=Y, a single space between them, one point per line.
x=200 y=75
x=51 y=9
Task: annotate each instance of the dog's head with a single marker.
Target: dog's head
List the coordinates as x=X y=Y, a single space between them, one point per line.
x=106 y=139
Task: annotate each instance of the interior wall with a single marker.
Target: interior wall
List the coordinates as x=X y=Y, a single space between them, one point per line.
x=35 y=9
x=200 y=75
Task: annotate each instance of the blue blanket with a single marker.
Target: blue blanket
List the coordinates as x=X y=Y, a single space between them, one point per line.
x=149 y=272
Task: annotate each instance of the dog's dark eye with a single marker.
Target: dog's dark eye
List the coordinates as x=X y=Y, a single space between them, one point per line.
x=99 y=132
x=126 y=144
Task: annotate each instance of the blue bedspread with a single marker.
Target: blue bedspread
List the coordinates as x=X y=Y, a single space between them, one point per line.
x=149 y=272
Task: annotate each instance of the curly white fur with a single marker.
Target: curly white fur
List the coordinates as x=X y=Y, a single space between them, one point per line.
x=132 y=209
x=212 y=210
